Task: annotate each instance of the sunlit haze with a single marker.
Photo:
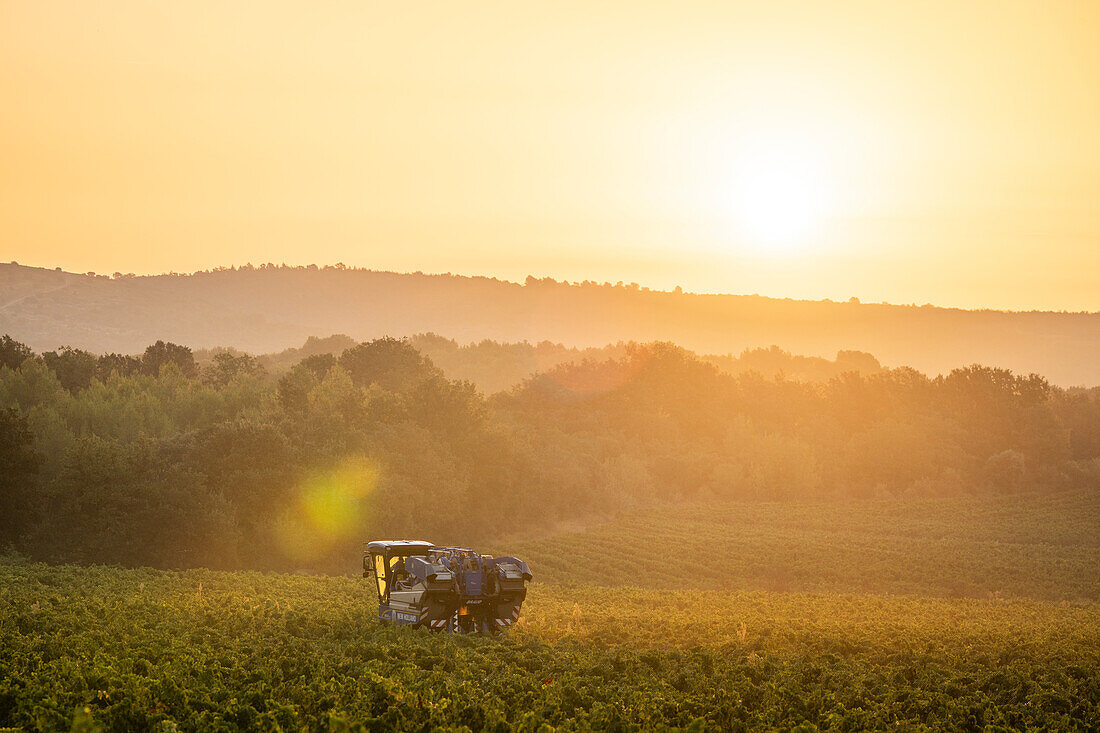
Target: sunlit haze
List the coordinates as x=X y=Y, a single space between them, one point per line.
x=902 y=152
x=722 y=365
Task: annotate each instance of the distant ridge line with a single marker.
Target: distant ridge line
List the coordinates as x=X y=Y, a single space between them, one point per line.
x=530 y=281
x=269 y=308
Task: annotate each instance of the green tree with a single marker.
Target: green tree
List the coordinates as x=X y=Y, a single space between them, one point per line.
x=75 y=368
x=318 y=364
x=31 y=385
x=1006 y=471
x=13 y=353
x=227 y=366
x=295 y=386
x=19 y=464
x=392 y=364
x=121 y=364
x=451 y=409
x=128 y=503
x=161 y=353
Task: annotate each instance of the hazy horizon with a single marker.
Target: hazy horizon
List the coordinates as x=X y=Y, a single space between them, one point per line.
x=735 y=365
x=938 y=154
x=522 y=280
x=268 y=309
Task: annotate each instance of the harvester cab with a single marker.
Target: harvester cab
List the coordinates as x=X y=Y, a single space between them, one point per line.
x=449 y=589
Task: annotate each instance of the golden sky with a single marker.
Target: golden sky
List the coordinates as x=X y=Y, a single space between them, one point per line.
x=906 y=152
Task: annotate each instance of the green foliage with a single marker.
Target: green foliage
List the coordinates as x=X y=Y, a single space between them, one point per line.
x=161 y=354
x=100 y=506
x=13 y=353
x=201 y=650
x=32 y=385
x=19 y=464
x=226 y=367
x=1030 y=545
x=392 y=364
x=141 y=442
x=121 y=364
x=74 y=367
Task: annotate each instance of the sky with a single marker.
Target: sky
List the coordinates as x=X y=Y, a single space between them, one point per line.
x=944 y=153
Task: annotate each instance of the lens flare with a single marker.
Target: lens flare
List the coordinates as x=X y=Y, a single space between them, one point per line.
x=329 y=508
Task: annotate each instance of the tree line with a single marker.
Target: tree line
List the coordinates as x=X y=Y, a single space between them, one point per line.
x=495 y=367
x=160 y=460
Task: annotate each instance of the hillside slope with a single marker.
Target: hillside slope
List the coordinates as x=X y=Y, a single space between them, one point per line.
x=1044 y=546
x=272 y=308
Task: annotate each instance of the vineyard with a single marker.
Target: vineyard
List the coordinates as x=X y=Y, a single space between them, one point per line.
x=114 y=649
x=1043 y=546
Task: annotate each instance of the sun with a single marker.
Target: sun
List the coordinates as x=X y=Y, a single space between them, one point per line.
x=780 y=197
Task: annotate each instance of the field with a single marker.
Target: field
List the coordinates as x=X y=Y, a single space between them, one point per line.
x=1029 y=545
x=862 y=636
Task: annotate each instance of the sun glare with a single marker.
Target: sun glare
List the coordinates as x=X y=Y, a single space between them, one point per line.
x=779 y=198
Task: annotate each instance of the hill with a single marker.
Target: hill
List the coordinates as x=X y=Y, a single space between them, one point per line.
x=271 y=308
